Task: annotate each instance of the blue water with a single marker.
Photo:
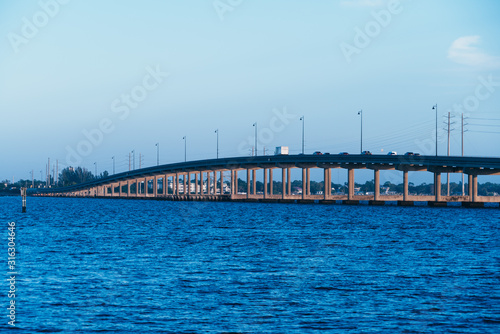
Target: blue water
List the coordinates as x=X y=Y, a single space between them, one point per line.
x=124 y=266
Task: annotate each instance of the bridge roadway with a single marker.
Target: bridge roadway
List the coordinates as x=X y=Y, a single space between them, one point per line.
x=120 y=185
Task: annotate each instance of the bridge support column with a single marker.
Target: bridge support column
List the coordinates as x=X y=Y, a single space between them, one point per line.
x=304 y=186
x=221 y=177
x=437 y=186
x=155 y=186
x=405 y=185
x=376 y=190
x=265 y=182
x=271 y=171
x=215 y=182
x=202 y=180
x=254 y=181
x=350 y=184
x=176 y=184
x=474 y=188
x=113 y=190
x=289 y=181
x=325 y=183
x=146 y=187
x=189 y=183
x=470 y=187
x=184 y=184
x=283 y=183
x=308 y=184
x=248 y=183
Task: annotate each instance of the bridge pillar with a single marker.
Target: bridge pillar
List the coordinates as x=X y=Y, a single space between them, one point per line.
x=112 y=190
x=474 y=188
x=155 y=186
x=376 y=190
x=350 y=184
x=184 y=184
x=248 y=183
x=254 y=181
x=215 y=181
x=283 y=183
x=189 y=183
x=271 y=171
x=308 y=183
x=201 y=183
x=221 y=176
x=405 y=185
x=304 y=186
x=437 y=186
x=471 y=189
x=265 y=182
x=177 y=183
x=325 y=182
x=289 y=181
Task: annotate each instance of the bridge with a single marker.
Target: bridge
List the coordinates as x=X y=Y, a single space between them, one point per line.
x=145 y=182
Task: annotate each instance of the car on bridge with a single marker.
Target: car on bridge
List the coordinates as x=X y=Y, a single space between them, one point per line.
x=317 y=153
x=366 y=153
x=343 y=153
x=411 y=153
x=392 y=153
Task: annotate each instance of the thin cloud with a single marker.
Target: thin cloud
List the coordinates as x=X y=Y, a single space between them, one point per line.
x=464 y=51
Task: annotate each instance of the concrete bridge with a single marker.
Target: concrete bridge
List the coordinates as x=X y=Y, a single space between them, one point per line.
x=145 y=182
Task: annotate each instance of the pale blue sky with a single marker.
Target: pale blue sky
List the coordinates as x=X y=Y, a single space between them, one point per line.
x=230 y=69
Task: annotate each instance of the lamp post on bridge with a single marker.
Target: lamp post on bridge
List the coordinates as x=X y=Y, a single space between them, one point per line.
x=435 y=107
x=361 y=113
x=185 y=148
x=255 y=125
x=95 y=165
x=113 y=164
x=217 y=132
x=303 y=128
x=157 y=154
x=133 y=159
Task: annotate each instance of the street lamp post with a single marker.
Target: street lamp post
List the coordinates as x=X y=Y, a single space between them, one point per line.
x=361 y=113
x=157 y=154
x=217 y=132
x=185 y=148
x=95 y=165
x=303 y=128
x=133 y=159
x=435 y=107
x=113 y=164
x=255 y=125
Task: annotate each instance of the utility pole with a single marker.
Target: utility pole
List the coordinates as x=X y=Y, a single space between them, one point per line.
x=255 y=125
x=217 y=132
x=361 y=113
x=57 y=172
x=463 y=177
x=303 y=128
x=129 y=161
x=185 y=148
x=435 y=107
x=448 y=174
x=157 y=154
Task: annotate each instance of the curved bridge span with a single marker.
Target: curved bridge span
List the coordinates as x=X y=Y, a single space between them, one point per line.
x=217 y=179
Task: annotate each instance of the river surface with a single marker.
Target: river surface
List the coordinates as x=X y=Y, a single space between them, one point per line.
x=135 y=266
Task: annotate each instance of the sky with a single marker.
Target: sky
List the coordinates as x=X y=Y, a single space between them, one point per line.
x=82 y=82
